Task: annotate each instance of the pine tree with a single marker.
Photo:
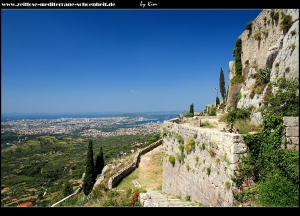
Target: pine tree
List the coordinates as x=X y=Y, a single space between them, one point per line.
x=99 y=162
x=222 y=85
x=192 y=110
x=89 y=177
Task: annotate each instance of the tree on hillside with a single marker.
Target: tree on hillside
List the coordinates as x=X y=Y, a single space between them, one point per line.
x=217 y=101
x=89 y=177
x=99 y=162
x=68 y=189
x=222 y=85
x=192 y=110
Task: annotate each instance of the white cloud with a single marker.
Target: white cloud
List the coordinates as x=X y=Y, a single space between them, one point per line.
x=135 y=91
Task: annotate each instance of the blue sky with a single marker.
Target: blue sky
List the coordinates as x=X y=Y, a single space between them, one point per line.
x=116 y=60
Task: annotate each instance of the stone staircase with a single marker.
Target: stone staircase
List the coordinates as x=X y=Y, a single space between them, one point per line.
x=158 y=199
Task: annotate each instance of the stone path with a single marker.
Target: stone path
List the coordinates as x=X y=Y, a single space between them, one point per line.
x=165 y=200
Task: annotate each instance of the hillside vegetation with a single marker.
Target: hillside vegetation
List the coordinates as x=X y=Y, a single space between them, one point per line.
x=36 y=170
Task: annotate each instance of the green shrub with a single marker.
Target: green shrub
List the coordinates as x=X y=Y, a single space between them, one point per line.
x=245 y=126
x=237 y=79
x=240 y=95
x=292 y=47
x=237 y=113
x=195 y=136
x=212 y=111
x=227 y=185
x=191 y=142
x=211 y=152
x=286 y=23
x=187 y=166
x=257 y=36
x=188 y=198
x=180 y=157
x=277 y=191
x=293 y=32
x=187 y=148
x=272 y=14
x=206 y=123
x=264 y=75
x=208 y=170
x=287 y=69
x=179 y=138
x=217 y=160
x=276 y=16
x=181 y=147
x=249 y=26
x=202 y=147
x=237 y=53
x=274 y=170
x=266 y=33
x=284 y=103
x=172 y=159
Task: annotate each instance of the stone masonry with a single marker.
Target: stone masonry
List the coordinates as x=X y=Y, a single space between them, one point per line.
x=291 y=125
x=207 y=181
x=276 y=49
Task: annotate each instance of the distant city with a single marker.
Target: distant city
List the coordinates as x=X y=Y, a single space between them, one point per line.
x=132 y=124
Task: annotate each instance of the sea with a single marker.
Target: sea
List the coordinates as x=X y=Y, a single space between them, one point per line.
x=135 y=118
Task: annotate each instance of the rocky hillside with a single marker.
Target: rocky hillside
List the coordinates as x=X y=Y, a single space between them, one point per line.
x=269 y=43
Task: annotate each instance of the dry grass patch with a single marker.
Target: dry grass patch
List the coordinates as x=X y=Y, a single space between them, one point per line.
x=148 y=173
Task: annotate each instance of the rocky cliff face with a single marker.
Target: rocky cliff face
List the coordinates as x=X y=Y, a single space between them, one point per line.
x=266 y=45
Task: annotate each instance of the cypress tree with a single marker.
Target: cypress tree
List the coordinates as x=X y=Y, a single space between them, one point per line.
x=192 y=110
x=222 y=85
x=99 y=162
x=217 y=101
x=89 y=177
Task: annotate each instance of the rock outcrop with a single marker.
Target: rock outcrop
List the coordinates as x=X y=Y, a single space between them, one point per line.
x=268 y=46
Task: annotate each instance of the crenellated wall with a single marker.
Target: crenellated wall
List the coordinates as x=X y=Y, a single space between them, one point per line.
x=207 y=181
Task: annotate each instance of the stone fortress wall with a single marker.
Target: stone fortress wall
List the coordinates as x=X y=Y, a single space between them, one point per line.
x=208 y=181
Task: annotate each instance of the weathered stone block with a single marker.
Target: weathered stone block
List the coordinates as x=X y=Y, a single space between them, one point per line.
x=293 y=147
x=233 y=158
x=238 y=148
x=291 y=121
x=292 y=131
x=233 y=167
x=294 y=140
x=151 y=203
